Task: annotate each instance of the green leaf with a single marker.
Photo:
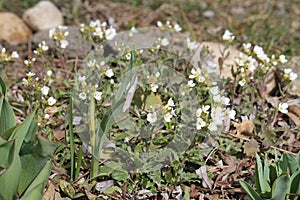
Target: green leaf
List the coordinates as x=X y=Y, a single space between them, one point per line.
x=295 y=186
x=9 y=179
x=7 y=116
x=153 y=100
x=2 y=87
x=35 y=190
x=280 y=187
x=186 y=193
x=261 y=183
x=111 y=190
x=252 y=194
x=21 y=131
x=120 y=175
x=34 y=162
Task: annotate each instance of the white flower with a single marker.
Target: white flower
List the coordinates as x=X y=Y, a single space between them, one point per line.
x=98 y=32
x=293 y=76
x=159 y=24
x=217 y=98
x=51 y=33
x=45 y=90
x=82 y=96
x=51 y=101
x=154 y=87
x=14 y=54
x=283 y=107
x=171 y=103
x=242 y=82
x=94 y=23
x=287 y=70
x=282 y=59
x=212 y=127
x=49 y=72
x=260 y=53
x=197 y=75
x=200 y=123
x=191 y=45
x=191 y=84
x=44 y=46
x=232 y=114
x=204 y=109
x=168 y=116
x=225 y=100
x=110 y=33
x=64 y=44
x=24 y=81
x=152 y=117
x=30 y=74
x=214 y=90
x=3 y=50
x=81 y=78
x=228 y=36
x=165 y=42
x=109 y=73
x=157 y=74
x=128 y=56
x=62 y=28
x=46 y=116
x=247 y=46
x=97 y=95
x=112 y=81
x=177 y=28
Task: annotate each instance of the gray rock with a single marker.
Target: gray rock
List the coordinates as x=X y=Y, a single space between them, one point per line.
x=43 y=16
x=77 y=47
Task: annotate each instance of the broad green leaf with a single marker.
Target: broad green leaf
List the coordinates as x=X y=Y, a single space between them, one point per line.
x=153 y=100
x=295 y=185
x=33 y=162
x=2 y=87
x=20 y=132
x=186 y=193
x=9 y=179
x=6 y=152
x=292 y=163
x=251 y=193
x=111 y=190
x=7 y=116
x=35 y=190
x=120 y=175
x=280 y=187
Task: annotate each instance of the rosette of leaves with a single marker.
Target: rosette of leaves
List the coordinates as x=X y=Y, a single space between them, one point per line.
x=277 y=181
x=24 y=163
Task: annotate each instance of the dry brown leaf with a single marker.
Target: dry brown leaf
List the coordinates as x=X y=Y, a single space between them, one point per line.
x=51 y=110
x=251 y=147
x=50 y=192
x=246 y=128
x=59 y=134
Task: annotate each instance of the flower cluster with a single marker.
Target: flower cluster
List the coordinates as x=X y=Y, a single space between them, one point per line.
x=169 y=26
x=60 y=35
x=289 y=75
x=197 y=75
x=152 y=81
x=4 y=57
x=168 y=113
x=42 y=48
x=98 y=30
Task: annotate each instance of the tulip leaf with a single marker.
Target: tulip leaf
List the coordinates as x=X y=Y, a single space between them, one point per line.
x=280 y=187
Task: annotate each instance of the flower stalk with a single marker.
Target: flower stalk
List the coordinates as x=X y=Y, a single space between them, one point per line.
x=94 y=163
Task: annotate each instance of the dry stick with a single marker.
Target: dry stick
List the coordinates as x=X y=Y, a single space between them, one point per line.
x=279 y=149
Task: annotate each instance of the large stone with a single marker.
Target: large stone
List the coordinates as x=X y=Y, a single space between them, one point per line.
x=13 y=29
x=77 y=47
x=43 y=16
x=217 y=53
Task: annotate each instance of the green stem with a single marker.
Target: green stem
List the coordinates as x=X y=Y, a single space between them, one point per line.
x=71 y=135
x=94 y=164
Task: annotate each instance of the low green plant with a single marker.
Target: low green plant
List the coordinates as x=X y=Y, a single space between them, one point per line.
x=275 y=181
x=24 y=163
